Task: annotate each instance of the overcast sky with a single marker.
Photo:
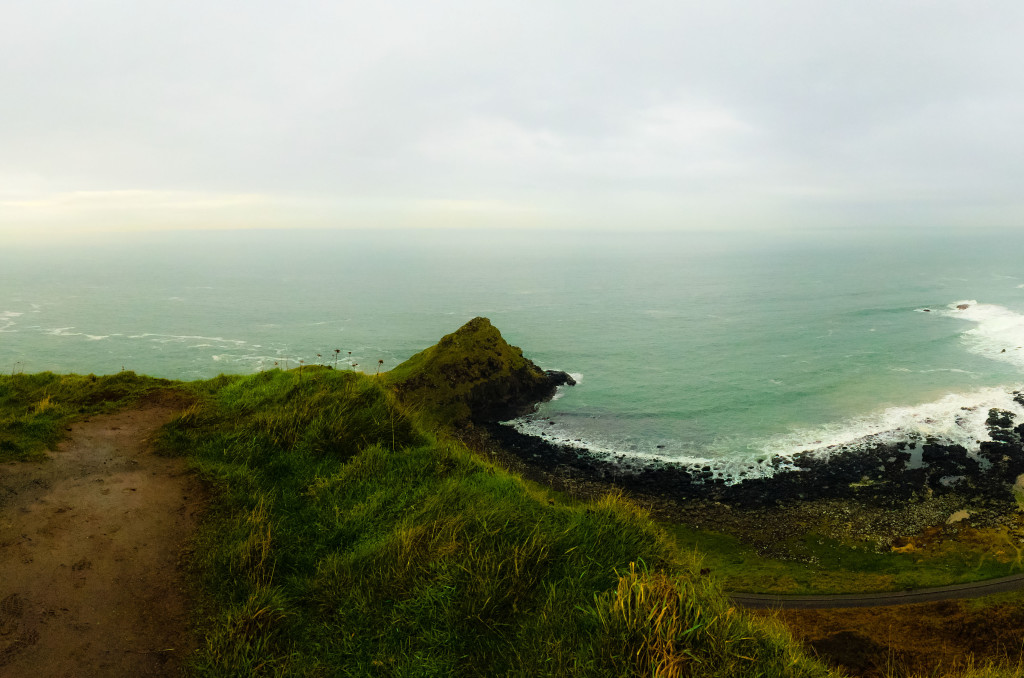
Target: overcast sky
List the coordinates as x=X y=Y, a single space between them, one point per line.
x=717 y=114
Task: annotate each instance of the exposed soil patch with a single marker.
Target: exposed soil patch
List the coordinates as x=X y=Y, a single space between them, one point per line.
x=90 y=547
x=923 y=639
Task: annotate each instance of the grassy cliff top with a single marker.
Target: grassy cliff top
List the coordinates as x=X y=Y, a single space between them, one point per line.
x=347 y=540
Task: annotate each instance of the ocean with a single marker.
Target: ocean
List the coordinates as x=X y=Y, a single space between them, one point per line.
x=711 y=349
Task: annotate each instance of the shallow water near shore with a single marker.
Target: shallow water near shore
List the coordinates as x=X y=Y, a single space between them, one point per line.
x=701 y=348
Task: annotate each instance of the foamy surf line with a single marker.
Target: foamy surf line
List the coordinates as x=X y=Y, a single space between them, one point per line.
x=955 y=419
x=998 y=332
x=560 y=390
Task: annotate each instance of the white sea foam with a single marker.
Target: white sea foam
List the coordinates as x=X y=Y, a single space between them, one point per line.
x=730 y=468
x=560 y=391
x=7 y=320
x=181 y=338
x=65 y=332
x=998 y=333
x=953 y=370
x=957 y=418
x=541 y=427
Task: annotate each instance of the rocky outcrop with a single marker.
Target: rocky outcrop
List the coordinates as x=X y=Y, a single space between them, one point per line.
x=474 y=375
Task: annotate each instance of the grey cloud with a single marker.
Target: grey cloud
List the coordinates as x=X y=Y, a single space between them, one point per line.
x=795 y=110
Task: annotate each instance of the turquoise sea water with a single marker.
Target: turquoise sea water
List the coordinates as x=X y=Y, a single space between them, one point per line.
x=694 y=347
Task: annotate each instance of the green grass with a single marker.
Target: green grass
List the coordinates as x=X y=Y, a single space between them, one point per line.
x=829 y=566
x=346 y=541
x=35 y=409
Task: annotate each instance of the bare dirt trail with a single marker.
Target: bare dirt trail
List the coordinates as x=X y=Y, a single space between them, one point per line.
x=91 y=582
x=977 y=589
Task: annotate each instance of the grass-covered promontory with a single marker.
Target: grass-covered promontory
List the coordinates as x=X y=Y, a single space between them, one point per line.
x=349 y=541
x=471 y=373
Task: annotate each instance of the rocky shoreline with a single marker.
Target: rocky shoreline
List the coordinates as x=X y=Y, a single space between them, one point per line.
x=879 y=494
x=883 y=474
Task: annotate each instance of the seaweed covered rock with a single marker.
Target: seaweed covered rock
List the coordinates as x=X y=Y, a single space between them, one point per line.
x=473 y=374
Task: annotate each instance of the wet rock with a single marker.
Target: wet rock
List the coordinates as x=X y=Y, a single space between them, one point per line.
x=999 y=418
x=559 y=378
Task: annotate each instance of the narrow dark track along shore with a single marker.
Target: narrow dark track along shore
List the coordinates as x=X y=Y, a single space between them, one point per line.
x=978 y=589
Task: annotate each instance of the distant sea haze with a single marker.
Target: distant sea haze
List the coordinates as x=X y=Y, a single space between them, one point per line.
x=712 y=349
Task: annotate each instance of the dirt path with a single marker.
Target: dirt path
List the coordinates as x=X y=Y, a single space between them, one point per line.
x=90 y=545
x=977 y=589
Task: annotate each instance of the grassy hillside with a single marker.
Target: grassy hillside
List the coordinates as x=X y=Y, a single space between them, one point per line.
x=348 y=542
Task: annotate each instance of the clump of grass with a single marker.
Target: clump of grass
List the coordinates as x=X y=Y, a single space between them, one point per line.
x=654 y=624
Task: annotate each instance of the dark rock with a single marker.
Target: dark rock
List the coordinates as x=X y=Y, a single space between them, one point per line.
x=1000 y=418
x=559 y=378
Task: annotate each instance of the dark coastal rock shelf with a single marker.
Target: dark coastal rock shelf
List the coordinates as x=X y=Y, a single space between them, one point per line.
x=883 y=474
